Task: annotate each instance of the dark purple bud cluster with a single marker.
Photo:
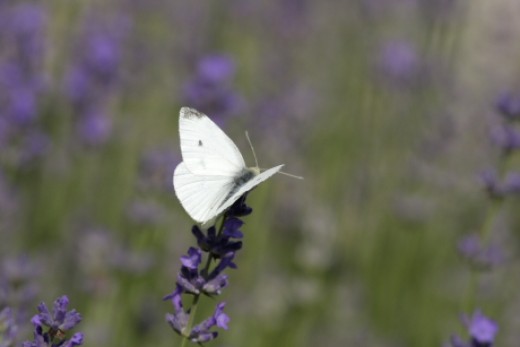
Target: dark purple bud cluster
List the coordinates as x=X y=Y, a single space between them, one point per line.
x=196 y=278
x=50 y=329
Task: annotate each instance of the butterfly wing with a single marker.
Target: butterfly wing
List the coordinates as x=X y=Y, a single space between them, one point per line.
x=238 y=191
x=206 y=149
x=200 y=195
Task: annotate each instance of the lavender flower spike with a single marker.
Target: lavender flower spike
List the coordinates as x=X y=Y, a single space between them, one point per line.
x=61 y=319
x=220 y=248
x=58 y=323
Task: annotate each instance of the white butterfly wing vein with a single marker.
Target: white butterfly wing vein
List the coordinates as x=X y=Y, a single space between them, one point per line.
x=206 y=149
x=200 y=195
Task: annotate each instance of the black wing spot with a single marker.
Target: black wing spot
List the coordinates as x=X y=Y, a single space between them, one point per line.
x=200 y=143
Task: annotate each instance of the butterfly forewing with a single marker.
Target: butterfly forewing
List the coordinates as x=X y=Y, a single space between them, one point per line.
x=206 y=149
x=238 y=191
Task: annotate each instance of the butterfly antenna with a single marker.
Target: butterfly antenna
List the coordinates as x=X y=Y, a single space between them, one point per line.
x=252 y=148
x=290 y=175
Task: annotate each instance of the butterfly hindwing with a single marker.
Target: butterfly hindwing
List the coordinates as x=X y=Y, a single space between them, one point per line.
x=200 y=195
x=206 y=149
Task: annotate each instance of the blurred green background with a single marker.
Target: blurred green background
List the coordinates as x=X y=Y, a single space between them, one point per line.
x=383 y=106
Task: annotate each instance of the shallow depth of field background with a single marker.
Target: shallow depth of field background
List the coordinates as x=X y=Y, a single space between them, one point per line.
x=385 y=107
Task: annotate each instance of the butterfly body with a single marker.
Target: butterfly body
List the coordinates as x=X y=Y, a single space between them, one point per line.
x=212 y=175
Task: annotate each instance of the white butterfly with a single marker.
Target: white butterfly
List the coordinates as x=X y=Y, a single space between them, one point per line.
x=212 y=175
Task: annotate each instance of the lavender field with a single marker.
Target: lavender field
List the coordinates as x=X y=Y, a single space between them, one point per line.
x=402 y=116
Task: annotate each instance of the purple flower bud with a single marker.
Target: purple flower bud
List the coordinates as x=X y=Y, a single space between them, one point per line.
x=216 y=68
x=506 y=137
x=508 y=105
x=456 y=341
x=58 y=324
x=232 y=228
x=193 y=259
x=239 y=208
x=478 y=254
x=102 y=56
x=490 y=182
x=399 y=61
x=201 y=337
x=202 y=333
x=215 y=285
x=95 y=128
x=60 y=319
x=8 y=328
x=23 y=106
x=481 y=329
x=75 y=340
x=178 y=321
x=511 y=183
x=221 y=318
x=209 y=90
x=145 y=212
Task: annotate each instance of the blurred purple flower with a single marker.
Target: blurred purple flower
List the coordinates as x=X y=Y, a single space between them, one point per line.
x=511 y=183
x=35 y=144
x=497 y=189
x=19 y=284
x=99 y=255
x=216 y=69
x=490 y=181
x=145 y=212
x=399 y=61
x=9 y=204
x=508 y=105
x=94 y=75
x=479 y=255
x=8 y=328
x=94 y=128
x=481 y=329
x=20 y=60
x=209 y=90
x=155 y=169
x=24 y=30
x=102 y=56
x=506 y=138
x=23 y=108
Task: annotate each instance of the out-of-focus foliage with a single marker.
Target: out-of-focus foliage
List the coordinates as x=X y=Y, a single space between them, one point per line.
x=385 y=107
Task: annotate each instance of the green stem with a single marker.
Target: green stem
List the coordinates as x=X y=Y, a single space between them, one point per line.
x=485 y=232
